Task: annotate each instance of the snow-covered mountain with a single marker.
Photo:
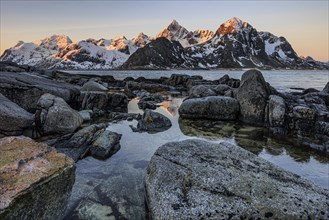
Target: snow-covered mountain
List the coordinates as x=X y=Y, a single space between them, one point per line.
x=175 y=32
x=235 y=44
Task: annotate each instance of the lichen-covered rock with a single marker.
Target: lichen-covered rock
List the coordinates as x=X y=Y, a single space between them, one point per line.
x=55 y=116
x=212 y=107
x=252 y=96
x=326 y=88
x=195 y=179
x=13 y=118
x=36 y=181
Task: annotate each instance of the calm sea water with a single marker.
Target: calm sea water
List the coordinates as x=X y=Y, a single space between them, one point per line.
x=117 y=183
x=280 y=79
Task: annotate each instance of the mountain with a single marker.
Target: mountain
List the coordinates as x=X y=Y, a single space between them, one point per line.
x=235 y=44
x=175 y=32
x=36 y=52
x=159 y=53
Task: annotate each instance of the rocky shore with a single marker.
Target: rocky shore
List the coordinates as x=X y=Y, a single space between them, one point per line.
x=67 y=116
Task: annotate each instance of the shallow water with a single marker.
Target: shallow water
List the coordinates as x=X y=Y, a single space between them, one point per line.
x=117 y=183
x=280 y=79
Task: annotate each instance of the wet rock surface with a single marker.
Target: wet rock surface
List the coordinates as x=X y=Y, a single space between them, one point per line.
x=106 y=144
x=198 y=179
x=36 y=181
x=13 y=119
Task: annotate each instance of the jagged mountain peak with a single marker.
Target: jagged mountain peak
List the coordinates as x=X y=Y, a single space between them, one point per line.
x=173 y=31
x=232 y=26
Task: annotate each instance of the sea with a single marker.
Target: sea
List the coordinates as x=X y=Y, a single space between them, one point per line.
x=115 y=186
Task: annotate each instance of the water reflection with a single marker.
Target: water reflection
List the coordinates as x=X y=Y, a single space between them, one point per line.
x=117 y=183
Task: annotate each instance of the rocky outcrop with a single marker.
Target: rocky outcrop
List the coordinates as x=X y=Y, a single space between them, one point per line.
x=194 y=179
x=252 y=96
x=36 y=181
x=13 y=119
x=212 y=107
x=25 y=89
x=106 y=144
x=55 y=116
x=277 y=115
x=152 y=122
x=102 y=102
x=94 y=140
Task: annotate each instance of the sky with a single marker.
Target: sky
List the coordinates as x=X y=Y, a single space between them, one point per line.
x=303 y=23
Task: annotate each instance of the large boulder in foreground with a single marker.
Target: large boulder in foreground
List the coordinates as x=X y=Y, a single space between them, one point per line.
x=252 y=95
x=212 y=107
x=36 y=181
x=195 y=179
x=55 y=116
x=13 y=118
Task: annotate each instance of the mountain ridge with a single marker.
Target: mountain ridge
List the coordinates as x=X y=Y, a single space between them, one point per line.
x=235 y=44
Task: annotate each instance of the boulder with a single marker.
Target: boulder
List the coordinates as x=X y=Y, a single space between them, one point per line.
x=234 y=83
x=55 y=116
x=13 y=119
x=213 y=107
x=106 y=144
x=195 y=179
x=104 y=101
x=25 y=89
x=77 y=145
x=252 y=96
x=153 y=122
x=36 y=181
x=93 y=86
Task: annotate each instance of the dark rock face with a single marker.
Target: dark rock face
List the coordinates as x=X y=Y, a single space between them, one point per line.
x=159 y=53
x=25 y=89
x=36 y=181
x=149 y=87
x=252 y=95
x=153 y=122
x=55 y=116
x=100 y=102
x=13 y=119
x=194 y=179
x=212 y=107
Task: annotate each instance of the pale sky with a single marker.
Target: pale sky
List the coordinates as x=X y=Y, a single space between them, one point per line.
x=303 y=23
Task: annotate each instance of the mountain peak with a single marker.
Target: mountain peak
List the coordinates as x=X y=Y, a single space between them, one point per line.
x=173 y=31
x=54 y=41
x=231 y=26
